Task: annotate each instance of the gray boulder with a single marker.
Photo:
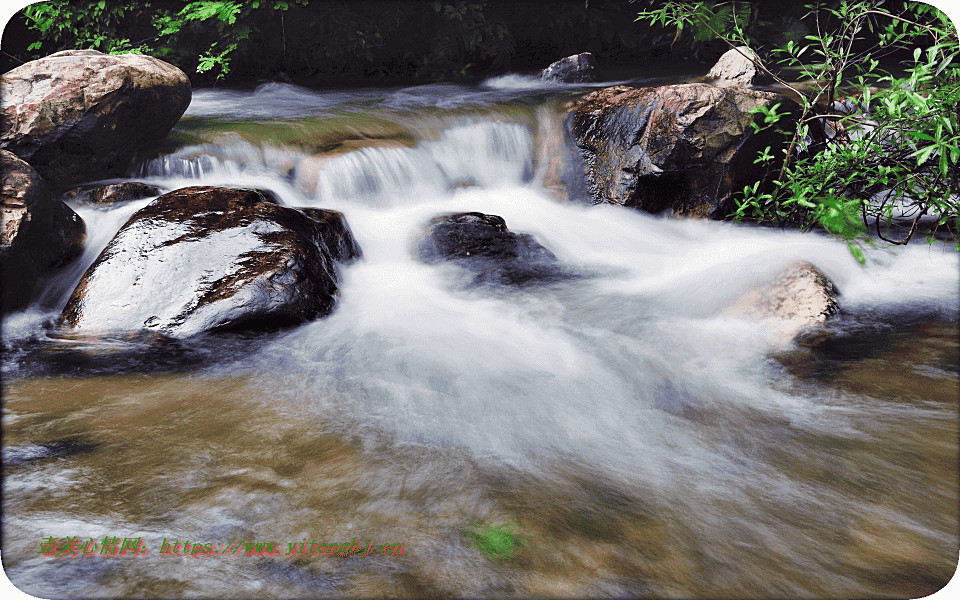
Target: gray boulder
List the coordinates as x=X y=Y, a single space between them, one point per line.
x=678 y=148
x=206 y=258
x=79 y=115
x=579 y=68
x=735 y=67
x=39 y=233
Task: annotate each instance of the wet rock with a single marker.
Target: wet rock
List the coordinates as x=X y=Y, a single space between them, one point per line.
x=334 y=234
x=206 y=258
x=110 y=194
x=579 y=68
x=794 y=302
x=482 y=244
x=79 y=114
x=39 y=233
x=682 y=148
x=735 y=67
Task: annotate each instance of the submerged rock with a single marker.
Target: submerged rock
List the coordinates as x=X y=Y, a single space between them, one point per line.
x=79 y=114
x=578 y=68
x=735 y=67
x=39 y=233
x=680 y=148
x=110 y=194
x=482 y=244
x=206 y=258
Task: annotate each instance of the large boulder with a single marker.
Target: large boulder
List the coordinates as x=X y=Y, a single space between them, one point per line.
x=39 y=233
x=735 y=67
x=579 y=68
x=483 y=245
x=79 y=115
x=684 y=148
x=207 y=258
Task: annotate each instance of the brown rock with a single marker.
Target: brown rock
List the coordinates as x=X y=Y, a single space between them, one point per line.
x=205 y=258
x=80 y=115
x=38 y=235
x=683 y=148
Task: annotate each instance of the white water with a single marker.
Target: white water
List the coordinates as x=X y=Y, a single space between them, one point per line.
x=596 y=367
x=630 y=372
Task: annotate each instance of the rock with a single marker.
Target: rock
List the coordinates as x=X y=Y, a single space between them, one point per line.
x=794 y=302
x=483 y=245
x=735 y=67
x=80 y=115
x=110 y=194
x=684 y=148
x=39 y=233
x=801 y=293
x=206 y=258
x=579 y=68
x=335 y=234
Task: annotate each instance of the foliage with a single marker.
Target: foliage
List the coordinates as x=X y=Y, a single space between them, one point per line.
x=888 y=155
x=231 y=20
x=467 y=37
x=340 y=40
x=94 y=25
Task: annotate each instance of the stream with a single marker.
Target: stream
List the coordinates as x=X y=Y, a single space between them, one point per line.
x=617 y=433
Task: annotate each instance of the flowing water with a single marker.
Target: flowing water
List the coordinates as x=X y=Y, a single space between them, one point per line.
x=619 y=432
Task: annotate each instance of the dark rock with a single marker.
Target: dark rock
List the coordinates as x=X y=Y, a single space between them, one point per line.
x=735 y=67
x=207 y=258
x=482 y=244
x=110 y=194
x=683 y=148
x=579 y=68
x=335 y=234
x=39 y=233
x=80 y=115
x=28 y=453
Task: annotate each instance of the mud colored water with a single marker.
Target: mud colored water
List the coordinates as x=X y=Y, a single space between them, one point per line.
x=614 y=433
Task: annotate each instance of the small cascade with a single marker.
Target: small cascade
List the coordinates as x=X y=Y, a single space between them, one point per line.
x=485 y=154
x=374 y=176
x=232 y=156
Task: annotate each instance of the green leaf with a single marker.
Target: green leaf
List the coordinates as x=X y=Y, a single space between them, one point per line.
x=857 y=253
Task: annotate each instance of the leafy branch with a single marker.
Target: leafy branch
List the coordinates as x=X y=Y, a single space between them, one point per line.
x=890 y=154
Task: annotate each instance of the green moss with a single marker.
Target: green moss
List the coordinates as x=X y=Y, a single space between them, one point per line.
x=312 y=134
